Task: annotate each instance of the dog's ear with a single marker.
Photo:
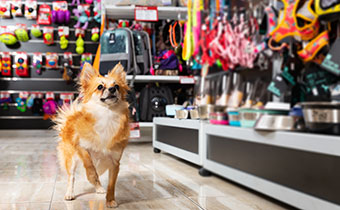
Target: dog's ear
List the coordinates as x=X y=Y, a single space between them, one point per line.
x=119 y=71
x=87 y=73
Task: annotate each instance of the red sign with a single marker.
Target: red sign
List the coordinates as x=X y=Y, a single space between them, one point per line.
x=146 y=13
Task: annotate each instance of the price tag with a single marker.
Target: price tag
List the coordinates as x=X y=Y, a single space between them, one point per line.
x=134 y=130
x=146 y=13
x=66 y=96
x=50 y=96
x=23 y=95
x=186 y=80
x=4 y=95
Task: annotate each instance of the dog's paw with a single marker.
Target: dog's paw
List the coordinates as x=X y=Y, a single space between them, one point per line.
x=100 y=190
x=69 y=197
x=111 y=204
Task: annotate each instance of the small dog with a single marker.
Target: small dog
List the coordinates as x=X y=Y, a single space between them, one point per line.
x=95 y=130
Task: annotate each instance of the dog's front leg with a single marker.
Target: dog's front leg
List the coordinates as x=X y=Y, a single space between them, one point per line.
x=91 y=172
x=110 y=195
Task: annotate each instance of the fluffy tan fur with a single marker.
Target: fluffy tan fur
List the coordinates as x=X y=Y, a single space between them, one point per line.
x=95 y=130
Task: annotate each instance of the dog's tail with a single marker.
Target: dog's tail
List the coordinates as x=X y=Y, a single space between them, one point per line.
x=63 y=113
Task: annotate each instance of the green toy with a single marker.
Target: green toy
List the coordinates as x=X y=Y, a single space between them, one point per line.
x=8 y=38
x=63 y=43
x=95 y=37
x=36 y=32
x=22 y=34
x=80 y=45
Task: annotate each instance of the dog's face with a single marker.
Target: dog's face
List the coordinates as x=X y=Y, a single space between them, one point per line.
x=109 y=90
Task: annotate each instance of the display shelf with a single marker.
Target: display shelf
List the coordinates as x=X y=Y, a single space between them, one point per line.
x=295 y=168
x=167 y=121
x=139 y=78
x=145 y=124
x=282 y=165
x=151 y=78
x=178 y=137
x=128 y=12
x=21 y=117
x=325 y=144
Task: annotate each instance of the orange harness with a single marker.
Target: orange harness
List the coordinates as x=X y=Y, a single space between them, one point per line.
x=288 y=25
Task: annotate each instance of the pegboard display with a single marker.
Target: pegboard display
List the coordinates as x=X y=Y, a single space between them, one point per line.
x=47 y=79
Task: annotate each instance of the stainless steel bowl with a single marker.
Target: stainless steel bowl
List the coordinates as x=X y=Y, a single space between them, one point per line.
x=322 y=117
x=278 y=122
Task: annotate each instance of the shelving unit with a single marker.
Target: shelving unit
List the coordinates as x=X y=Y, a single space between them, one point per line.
x=128 y=12
x=178 y=137
x=296 y=168
x=139 y=78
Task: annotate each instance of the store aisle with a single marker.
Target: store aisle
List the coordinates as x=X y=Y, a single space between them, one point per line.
x=30 y=179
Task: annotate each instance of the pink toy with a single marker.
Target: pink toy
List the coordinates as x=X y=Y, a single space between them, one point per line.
x=82 y=14
x=74 y=1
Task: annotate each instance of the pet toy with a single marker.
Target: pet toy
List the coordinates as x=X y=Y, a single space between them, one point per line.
x=21 y=32
x=21 y=64
x=51 y=60
x=5 y=99
x=16 y=8
x=97 y=11
x=85 y=58
x=37 y=61
x=95 y=34
x=21 y=101
x=60 y=13
x=80 y=45
x=80 y=42
x=35 y=31
x=66 y=63
x=37 y=108
x=6 y=64
x=75 y=1
x=48 y=35
x=7 y=35
x=31 y=7
x=63 y=32
x=66 y=98
x=44 y=15
x=50 y=106
x=5 y=9
x=82 y=14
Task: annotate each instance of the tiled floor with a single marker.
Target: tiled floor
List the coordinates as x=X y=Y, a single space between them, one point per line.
x=30 y=179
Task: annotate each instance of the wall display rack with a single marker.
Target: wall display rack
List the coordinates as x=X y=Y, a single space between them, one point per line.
x=49 y=79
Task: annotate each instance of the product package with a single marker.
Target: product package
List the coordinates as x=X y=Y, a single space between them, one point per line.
x=51 y=60
x=5 y=9
x=31 y=8
x=7 y=35
x=44 y=15
x=37 y=61
x=21 y=64
x=48 y=35
x=63 y=32
x=16 y=8
x=6 y=64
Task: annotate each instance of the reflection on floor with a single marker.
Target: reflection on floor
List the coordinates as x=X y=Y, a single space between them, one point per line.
x=30 y=179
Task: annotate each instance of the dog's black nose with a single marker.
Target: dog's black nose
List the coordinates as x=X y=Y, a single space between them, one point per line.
x=112 y=89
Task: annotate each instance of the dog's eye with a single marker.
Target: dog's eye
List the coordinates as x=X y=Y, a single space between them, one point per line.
x=100 y=87
x=117 y=87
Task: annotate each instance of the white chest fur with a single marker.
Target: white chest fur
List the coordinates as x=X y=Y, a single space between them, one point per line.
x=106 y=125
